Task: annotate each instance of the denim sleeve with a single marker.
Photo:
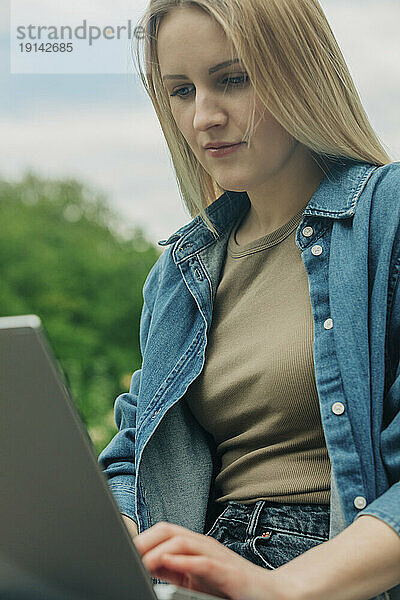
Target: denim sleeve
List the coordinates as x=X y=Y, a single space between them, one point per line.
x=117 y=460
x=387 y=506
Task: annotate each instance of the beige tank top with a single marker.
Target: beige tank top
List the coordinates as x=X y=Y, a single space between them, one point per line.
x=256 y=394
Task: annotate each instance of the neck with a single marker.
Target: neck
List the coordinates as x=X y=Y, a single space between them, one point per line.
x=282 y=196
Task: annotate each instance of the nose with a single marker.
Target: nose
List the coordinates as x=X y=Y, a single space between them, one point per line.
x=208 y=112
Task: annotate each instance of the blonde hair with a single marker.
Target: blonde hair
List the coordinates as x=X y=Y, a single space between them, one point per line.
x=297 y=70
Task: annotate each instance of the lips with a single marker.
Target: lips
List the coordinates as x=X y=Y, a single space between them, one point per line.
x=224 y=150
x=216 y=145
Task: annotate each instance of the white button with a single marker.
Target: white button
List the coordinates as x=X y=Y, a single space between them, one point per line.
x=360 y=502
x=307 y=231
x=316 y=250
x=328 y=324
x=338 y=408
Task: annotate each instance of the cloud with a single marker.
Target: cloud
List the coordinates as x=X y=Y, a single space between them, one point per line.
x=367 y=33
x=122 y=154
x=56 y=11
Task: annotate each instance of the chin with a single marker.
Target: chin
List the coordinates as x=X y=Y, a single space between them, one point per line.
x=229 y=187
x=232 y=185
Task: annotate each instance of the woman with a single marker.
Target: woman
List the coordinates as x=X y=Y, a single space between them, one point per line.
x=266 y=411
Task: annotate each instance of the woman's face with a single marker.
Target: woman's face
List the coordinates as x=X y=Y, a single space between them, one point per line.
x=211 y=102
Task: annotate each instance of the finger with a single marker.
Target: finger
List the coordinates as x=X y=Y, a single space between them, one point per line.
x=208 y=575
x=171 y=576
x=193 y=565
x=160 y=532
x=222 y=578
x=179 y=544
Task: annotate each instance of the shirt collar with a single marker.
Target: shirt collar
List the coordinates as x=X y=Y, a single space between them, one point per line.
x=338 y=193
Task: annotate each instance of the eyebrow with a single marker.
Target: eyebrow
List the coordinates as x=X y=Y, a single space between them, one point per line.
x=210 y=71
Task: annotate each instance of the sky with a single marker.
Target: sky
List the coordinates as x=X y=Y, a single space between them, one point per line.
x=103 y=130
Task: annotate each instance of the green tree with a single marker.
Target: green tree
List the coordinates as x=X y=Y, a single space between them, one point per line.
x=64 y=258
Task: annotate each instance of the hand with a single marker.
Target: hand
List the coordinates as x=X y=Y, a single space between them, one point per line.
x=130 y=525
x=199 y=562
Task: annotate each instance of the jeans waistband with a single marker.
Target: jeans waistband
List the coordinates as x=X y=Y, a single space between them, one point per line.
x=306 y=519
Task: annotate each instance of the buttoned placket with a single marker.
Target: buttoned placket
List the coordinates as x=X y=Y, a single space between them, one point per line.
x=330 y=390
x=194 y=273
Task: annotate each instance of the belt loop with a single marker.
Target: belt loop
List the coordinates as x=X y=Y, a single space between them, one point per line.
x=253 y=521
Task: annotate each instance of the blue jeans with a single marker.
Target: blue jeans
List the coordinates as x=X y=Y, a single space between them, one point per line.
x=270 y=534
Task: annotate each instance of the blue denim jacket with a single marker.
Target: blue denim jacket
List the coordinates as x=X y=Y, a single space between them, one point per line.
x=160 y=464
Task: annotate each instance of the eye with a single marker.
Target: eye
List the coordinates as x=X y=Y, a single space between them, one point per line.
x=176 y=92
x=235 y=81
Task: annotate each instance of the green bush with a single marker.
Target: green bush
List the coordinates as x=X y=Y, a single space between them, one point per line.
x=64 y=258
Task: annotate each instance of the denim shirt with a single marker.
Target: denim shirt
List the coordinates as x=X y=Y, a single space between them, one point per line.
x=160 y=465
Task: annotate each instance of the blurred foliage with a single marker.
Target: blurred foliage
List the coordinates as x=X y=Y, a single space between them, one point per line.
x=63 y=256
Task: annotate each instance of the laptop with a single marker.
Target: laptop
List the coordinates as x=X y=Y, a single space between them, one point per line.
x=61 y=533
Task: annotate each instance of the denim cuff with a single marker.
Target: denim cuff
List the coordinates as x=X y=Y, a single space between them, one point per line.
x=386 y=507
x=125 y=499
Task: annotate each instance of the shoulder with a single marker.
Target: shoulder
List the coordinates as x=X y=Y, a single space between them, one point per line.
x=383 y=192
x=385 y=183
x=163 y=276
x=384 y=225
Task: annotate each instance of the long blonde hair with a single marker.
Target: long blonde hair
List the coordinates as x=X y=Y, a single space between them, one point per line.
x=297 y=70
